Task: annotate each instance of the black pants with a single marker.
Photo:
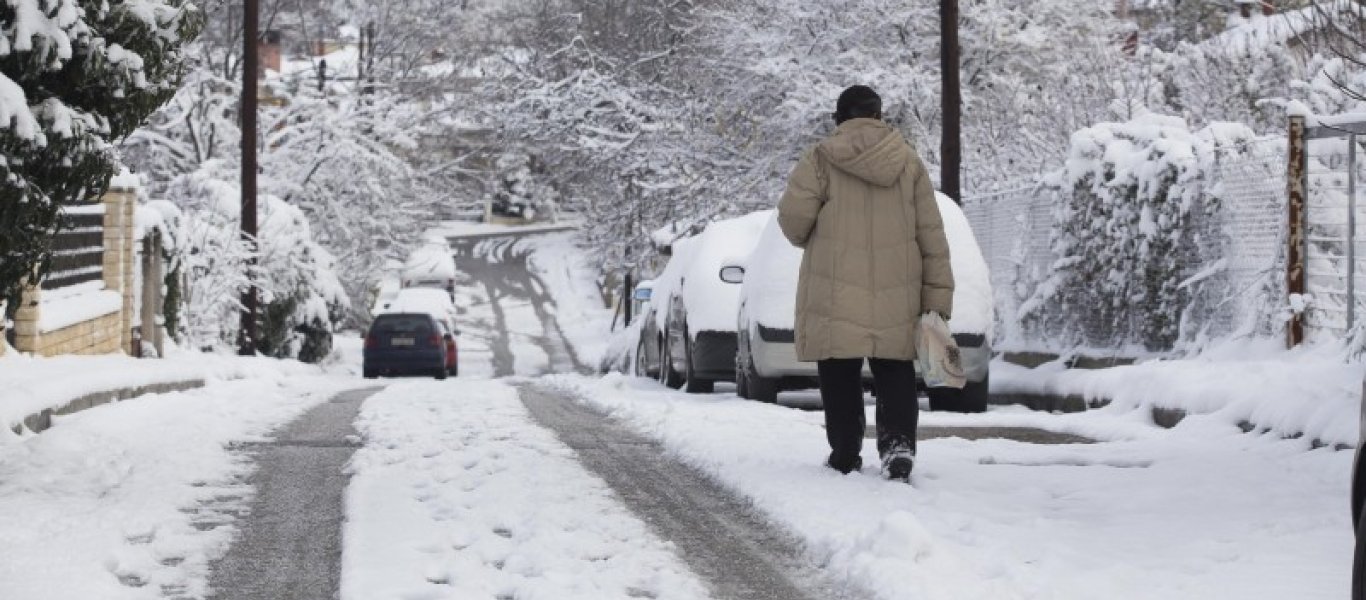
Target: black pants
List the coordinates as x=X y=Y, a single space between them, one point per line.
x=898 y=409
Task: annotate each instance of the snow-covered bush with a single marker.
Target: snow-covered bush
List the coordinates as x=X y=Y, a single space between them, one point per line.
x=301 y=295
x=1135 y=232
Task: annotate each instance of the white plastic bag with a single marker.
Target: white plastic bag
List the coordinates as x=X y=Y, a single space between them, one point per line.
x=937 y=357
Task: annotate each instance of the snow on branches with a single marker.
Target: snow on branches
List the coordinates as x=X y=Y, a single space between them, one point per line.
x=75 y=77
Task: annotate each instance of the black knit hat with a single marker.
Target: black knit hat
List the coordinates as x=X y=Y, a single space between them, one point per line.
x=859 y=101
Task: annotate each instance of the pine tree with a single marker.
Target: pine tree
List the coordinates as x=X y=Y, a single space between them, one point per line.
x=75 y=76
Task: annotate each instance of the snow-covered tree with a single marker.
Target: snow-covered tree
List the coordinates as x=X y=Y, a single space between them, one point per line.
x=364 y=162
x=300 y=289
x=75 y=77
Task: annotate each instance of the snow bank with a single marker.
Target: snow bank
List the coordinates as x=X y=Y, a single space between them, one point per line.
x=135 y=499
x=1310 y=392
x=1201 y=511
x=30 y=385
x=470 y=499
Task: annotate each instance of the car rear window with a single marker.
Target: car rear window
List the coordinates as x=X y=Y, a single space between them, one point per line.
x=412 y=324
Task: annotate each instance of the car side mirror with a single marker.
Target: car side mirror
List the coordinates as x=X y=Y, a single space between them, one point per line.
x=733 y=274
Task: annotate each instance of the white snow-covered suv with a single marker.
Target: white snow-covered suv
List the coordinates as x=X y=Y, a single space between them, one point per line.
x=766 y=357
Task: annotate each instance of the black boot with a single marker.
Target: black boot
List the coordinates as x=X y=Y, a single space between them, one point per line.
x=898 y=461
x=845 y=467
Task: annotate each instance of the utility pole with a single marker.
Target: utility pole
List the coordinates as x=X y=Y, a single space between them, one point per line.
x=950 y=143
x=246 y=341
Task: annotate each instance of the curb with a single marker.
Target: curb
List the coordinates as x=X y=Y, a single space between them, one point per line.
x=42 y=421
x=1166 y=418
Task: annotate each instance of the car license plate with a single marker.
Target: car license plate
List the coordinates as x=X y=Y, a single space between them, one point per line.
x=401 y=341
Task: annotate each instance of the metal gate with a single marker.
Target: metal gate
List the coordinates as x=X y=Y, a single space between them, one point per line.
x=1332 y=245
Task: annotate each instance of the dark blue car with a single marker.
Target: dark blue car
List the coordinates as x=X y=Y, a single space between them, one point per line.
x=408 y=344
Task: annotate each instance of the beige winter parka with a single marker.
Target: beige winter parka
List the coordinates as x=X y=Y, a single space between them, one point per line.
x=862 y=206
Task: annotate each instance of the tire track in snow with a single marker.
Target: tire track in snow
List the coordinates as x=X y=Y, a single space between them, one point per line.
x=719 y=536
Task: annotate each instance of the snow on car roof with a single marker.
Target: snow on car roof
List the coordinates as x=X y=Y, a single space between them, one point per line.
x=711 y=303
x=431 y=261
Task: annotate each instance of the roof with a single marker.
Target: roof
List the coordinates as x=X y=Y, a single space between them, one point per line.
x=1284 y=27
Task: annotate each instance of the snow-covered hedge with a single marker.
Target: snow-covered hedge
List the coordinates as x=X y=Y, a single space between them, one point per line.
x=1135 y=234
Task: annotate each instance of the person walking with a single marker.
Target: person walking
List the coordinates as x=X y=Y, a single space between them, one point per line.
x=861 y=206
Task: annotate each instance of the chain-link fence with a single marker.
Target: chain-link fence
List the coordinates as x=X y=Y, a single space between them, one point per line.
x=1226 y=272
x=1012 y=229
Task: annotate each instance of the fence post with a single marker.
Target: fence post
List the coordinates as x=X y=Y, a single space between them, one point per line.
x=1351 y=231
x=1296 y=190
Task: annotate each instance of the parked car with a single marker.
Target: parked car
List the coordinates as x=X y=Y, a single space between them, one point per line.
x=1359 y=509
x=766 y=357
x=620 y=354
x=687 y=337
x=431 y=266
x=408 y=344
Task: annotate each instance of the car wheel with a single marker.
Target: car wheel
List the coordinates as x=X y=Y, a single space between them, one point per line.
x=763 y=389
x=741 y=375
x=1359 y=561
x=441 y=373
x=667 y=375
x=642 y=364
x=971 y=399
x=369 y=373
x=693 y=384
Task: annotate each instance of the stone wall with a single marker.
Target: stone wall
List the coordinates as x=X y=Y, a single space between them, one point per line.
x=102 y=335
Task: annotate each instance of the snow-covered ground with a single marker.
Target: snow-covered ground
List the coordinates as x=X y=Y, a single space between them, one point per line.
x=1311 y=391
x=29 y=385
x=457 y=494
x=134 y=499
x=570 y=277
x=1199 y=511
